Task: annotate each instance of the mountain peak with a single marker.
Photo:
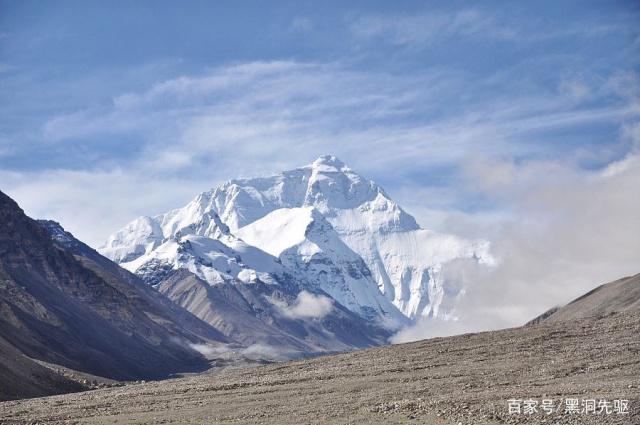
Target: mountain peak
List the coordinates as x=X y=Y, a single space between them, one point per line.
x=301 y=207
x=328 y=163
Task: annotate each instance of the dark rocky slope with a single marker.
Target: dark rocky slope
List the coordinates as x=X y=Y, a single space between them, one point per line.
x=82 y=313
x=22 y=377
x=141 y=296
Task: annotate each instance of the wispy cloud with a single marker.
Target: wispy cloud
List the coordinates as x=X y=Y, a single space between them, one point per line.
x=268 y=352
x=306 y=306
x=427 y=28
x=274 y=107
x=262 y=117
x=422 y=30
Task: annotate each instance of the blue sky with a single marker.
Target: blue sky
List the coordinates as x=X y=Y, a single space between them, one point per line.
x=515 y=122
x=127 y=108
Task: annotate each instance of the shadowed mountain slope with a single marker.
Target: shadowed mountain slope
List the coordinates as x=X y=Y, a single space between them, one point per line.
x=142 y=297
x=23 y=377
x=83 y=313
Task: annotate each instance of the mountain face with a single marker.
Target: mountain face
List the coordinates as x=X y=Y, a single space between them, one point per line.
x=248 y=295
x=323 y=226
x=140 y=295
x=63 y=303
x=305 y=242
x=272 y=321
x=244 y=292
x=405 y=262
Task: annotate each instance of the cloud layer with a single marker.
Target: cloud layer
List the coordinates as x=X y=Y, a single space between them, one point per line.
x=189 y=133
x=570 y=230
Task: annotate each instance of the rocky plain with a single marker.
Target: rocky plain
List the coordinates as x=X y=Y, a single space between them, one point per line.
x=465 y=379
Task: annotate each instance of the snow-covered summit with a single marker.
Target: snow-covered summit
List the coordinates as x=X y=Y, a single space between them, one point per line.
x=326 y=184
x=329 y=163
x=328 y=224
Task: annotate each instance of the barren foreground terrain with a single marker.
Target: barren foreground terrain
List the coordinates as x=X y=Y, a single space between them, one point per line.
x=465 y=379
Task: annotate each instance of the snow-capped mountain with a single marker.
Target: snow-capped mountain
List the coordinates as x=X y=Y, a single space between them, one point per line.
x=305 y=242
x=246 y=293
x=322 y=225
x=405 y=262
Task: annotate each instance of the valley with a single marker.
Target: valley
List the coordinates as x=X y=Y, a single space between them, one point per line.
x=466 y=379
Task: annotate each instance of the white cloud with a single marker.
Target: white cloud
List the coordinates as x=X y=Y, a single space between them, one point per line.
x=91 y=204
x=575 y=88
x=430 y=328
x=211 y=351
x=267 y=352
x=284 y=111
x=262 y=117
x=307 y=306
x=569 y=230
x=257 y=351
x=423 y=29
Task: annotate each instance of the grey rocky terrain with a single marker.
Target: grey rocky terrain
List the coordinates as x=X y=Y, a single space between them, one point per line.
x=466 y=379
x=613 y=297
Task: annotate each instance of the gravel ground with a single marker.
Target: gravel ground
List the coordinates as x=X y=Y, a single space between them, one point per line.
x=466 y=379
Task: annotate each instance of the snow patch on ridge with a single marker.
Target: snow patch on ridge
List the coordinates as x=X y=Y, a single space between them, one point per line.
x=279 y=230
